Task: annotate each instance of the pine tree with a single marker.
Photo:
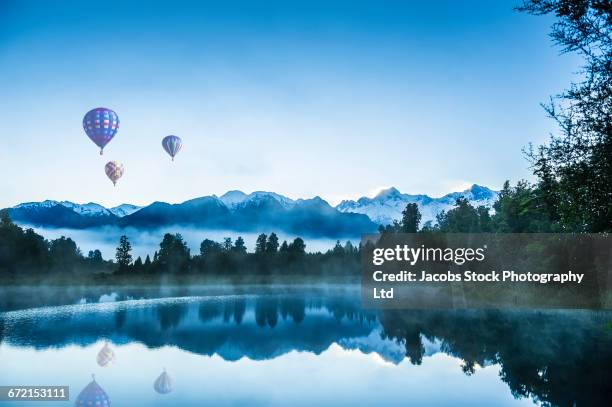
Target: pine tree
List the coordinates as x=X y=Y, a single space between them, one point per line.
x=5 y=219
x=411 y=217
x=338 y=250
x=174 y=255
x=138 y=264
x=95 y=256
x=123 y=256
x=239 y=246
x=297 y=246
x=260 y=245
x=272 y=244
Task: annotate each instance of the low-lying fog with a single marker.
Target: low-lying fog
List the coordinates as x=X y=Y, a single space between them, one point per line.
x=147 y=241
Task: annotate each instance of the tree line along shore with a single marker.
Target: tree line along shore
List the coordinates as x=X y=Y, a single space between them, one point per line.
x=26 y=256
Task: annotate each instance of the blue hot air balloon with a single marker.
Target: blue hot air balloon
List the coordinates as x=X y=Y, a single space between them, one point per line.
x=163 y=384
x=172 y=145
x=92 y=395
x=101 y=125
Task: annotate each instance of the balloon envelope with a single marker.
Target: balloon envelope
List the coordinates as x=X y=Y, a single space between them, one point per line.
x=105 y=356
x=114 y=170
x=92 y=395
x=101 y=125
x=172 y=145
x=163 y=384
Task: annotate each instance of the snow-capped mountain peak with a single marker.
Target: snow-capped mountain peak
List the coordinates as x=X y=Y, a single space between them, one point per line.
x=384 y=208
x=124 y=210
x=232 y=199
x=88 y=209
x=32 y=205
x=388 y=193
x=388 y=204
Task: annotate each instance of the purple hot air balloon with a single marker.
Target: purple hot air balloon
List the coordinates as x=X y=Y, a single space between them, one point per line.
x=101 y=125
x=172 y=145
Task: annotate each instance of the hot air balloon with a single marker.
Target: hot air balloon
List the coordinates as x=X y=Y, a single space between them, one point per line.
x=114 y=170
x=172 y=145
x=163 y=384
x=105 y=356
x=101 y=125
x=92 y=395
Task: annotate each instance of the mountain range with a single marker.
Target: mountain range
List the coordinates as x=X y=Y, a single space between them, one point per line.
x=388 y=204
x=259 y=210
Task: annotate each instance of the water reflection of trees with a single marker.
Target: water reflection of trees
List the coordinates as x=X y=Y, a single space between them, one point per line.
x=294 y=308
x=558 y=358
x=267 y=309
x=170 y=315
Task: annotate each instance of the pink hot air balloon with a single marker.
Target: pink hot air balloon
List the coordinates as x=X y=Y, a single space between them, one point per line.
x=114 y=170
x=101 y=125
x=106 y=356
x=172 y=145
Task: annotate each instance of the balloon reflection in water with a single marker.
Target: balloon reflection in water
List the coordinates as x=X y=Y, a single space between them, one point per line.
x=92 y=396
x=163 y=384
x=106 y=356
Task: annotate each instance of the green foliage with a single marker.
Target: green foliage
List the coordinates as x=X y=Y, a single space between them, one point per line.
x=122 y=255
x=209 y=248
x=227 y=244
x=65 y=254
x=272 y=244
x=260 y=244
x=26 y=253
x=411 y=217
x=297 y=247
x=462 y=218
x=95 y=257
x=19 y=249
x=575 y=167
x=338 y=249
x=239 y=246
x=5 y=220
x=138 y=265
x=522 y=209
x=173 y=255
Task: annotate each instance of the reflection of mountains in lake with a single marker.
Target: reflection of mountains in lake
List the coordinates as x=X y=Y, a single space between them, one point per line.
x=555 y=357
x=260 y=327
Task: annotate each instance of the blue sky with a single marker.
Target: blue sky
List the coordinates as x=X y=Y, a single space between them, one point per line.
x=329 y=98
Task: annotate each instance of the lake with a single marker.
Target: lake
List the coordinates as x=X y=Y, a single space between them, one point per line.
x=297 y=346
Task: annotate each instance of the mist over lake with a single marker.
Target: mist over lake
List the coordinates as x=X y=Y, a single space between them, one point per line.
x=147 y=241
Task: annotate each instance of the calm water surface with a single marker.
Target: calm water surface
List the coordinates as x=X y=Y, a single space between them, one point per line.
x=299 y=347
